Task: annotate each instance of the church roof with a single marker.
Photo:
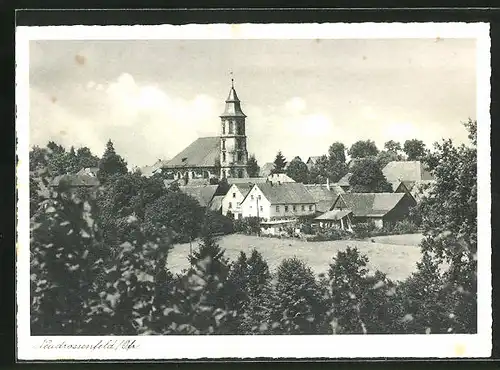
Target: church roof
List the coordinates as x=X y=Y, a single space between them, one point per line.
x=233 y=105
x=203 y=152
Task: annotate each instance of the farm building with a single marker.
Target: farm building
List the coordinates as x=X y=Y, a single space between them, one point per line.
x=203 y=194
x=381 y=208
x=277 y=227
x=278 y=201
x=231 y=202
x=407 y=171
x=279 y=178
x=336 y=218
x=399 y=187
x=324 y=195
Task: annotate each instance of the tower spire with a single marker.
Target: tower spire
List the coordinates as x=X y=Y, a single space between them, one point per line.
x=232 y=79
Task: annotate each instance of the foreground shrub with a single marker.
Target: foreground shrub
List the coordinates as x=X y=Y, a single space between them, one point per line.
x=364 y=229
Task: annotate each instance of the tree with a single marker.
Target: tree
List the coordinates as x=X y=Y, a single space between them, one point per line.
x=449 y=222
x=367 y=177
x=393 y=146
x=336 y=153
x=298 y=170
x=297 y=305
x=253 y=168
x=415 y=149
x=319 y=171
x=86 y=159
x=279 y=163
x=110 y=164
x=175 y=212
x=362 y=149
x=38 y=158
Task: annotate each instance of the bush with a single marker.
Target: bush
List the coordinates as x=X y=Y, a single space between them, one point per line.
x=364 y=229
x=330 y=234
x=218 y=224
x=248 y=225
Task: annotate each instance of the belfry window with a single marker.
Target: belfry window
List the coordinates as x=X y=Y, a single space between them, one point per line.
x=223 y=156
x=231 y=127
x=223 y=127
x=240 y=156
x=223 y=144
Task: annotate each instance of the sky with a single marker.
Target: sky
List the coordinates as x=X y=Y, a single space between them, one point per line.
x=152 y=98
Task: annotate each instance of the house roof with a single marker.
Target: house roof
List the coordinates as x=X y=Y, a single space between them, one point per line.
x=280 y=177
x=266 y=169
x=286 y=193
x=243 y=188
x=203 y=194
x=370 y=204
x=246 y=180
x=203 y=152
x=334 y=214
x=313 y=159
x=75 y=180
x=344 y=181
x=323 y=197
x=216 y=203
x=406 y=171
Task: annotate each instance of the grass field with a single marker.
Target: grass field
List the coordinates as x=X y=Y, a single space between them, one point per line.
x=394 y=255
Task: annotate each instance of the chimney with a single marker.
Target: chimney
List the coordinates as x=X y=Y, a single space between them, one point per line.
x=328 y=183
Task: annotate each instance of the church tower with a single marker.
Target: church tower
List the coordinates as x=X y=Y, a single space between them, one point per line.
x=233 y=153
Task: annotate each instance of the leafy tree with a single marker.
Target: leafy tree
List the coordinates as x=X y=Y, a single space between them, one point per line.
x=298 y=170
x=38 y=158
x=449 y=222
x=174 y=212
x=279 y=163
x=358 y=301
x=320 y=171
x=110 y=164
x=386 y=156
x=393 y=146
x=367 y=177
x=362 y=149
x=86 y=159
x=297 y=305
x=253 y=168
x=415 y=149
x=336 y=153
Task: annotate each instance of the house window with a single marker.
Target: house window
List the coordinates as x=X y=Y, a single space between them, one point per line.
x=261 y=209
x=251 y=197
x=303 y=208
x=259 y=197
x=240 y=156
x=223 y=144
x=230 y=205
x=234 y=195
x=277 y=208
x=286 y=208
x=310 y=207
x=294 y=208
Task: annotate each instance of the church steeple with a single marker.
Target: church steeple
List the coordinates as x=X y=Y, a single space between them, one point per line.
x=234 y=155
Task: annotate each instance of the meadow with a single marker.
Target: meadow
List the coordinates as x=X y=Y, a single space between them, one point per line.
x=395 y=255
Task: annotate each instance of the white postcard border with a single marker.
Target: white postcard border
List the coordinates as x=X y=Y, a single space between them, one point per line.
x=196 y=347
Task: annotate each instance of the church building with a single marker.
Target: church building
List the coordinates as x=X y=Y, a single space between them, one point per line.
x=220 y=156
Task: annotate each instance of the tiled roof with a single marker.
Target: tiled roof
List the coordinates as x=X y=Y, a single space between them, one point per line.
x=335 y=214
x=344 y=181
x=406 y=171
x=216 y=203
x=244 y=188
x=370 y=204
x=286 y=193
x=323 y=197
x=202 y=152
x=76 y=180
x=280 y=177
x=203 y=194
x=266 y=169
x=246 y=180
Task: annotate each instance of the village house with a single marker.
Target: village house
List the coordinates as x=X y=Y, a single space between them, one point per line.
x=279 y=178
x=231 y=202
x=203 y=194
x=381 y=208
x=85 y=178
x=336 y=218
x=311 y=161
x=324 y=195
x=270 y=201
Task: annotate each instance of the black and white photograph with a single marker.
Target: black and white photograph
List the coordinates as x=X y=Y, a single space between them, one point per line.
x=239 y=191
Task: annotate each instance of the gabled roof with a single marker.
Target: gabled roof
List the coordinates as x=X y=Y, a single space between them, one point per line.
x=334 y=214
x=406 y=171
x=344 y=181
x=280 y=177
x=203 y=194
x=243 y=188
x=203 y=152
x=216 y=203
x=75 y=180
x=286 y=193
x=323 y=197
x=266 y=169
x=370 y=204
x=313 y=159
